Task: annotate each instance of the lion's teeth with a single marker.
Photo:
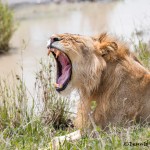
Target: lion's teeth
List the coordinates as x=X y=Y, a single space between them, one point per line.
x=57 y=85
x=57 y=53
x=49 y=51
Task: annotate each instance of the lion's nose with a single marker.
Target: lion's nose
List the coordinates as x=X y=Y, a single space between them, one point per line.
x=53 y=39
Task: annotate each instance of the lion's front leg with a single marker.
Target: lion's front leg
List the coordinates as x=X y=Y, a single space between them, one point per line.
x=84 y=108
x=100 y=116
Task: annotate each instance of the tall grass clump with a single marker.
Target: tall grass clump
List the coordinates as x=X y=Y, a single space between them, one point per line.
x=143 y=51
x=141 y=47
x=6 y=27
x=56 y=108
x=13 y=104
x=15 y=117
x=24 y=127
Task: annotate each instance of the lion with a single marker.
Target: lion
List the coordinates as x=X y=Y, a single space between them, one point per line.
x=103 y=70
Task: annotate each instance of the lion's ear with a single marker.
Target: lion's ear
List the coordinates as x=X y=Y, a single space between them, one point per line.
x=105 y=48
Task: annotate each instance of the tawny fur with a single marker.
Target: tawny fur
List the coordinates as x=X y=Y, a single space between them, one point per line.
x=105 y=71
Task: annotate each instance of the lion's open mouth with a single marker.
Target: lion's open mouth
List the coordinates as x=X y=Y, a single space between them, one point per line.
x=64 y=68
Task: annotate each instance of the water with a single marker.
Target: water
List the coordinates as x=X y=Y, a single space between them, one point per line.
x=12 y=2
x=38 y=22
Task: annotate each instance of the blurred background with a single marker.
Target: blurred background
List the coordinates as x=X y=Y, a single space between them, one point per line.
x=36 y=20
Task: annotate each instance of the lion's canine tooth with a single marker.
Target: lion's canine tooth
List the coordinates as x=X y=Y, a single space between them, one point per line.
x=49 y=51
x=57 y=53
x=58 y=85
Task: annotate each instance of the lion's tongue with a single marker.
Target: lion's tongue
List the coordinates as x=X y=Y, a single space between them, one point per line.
x=65 y=75
x=66 y=69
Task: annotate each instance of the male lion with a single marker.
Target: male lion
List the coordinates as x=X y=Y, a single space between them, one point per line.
x=103 y=70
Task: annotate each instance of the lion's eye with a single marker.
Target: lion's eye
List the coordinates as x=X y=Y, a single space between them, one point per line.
x=78 y=41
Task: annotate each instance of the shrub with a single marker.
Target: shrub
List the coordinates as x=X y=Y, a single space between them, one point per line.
x=56 y=108
x=6 y=27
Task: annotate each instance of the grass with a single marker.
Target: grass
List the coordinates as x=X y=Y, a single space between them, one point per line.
x=20 y=127
x=141 y=48
x=117 y=138
x=143 y=51
x=23 y=129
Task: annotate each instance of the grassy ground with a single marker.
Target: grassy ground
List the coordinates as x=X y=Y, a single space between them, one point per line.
x=22 y=129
